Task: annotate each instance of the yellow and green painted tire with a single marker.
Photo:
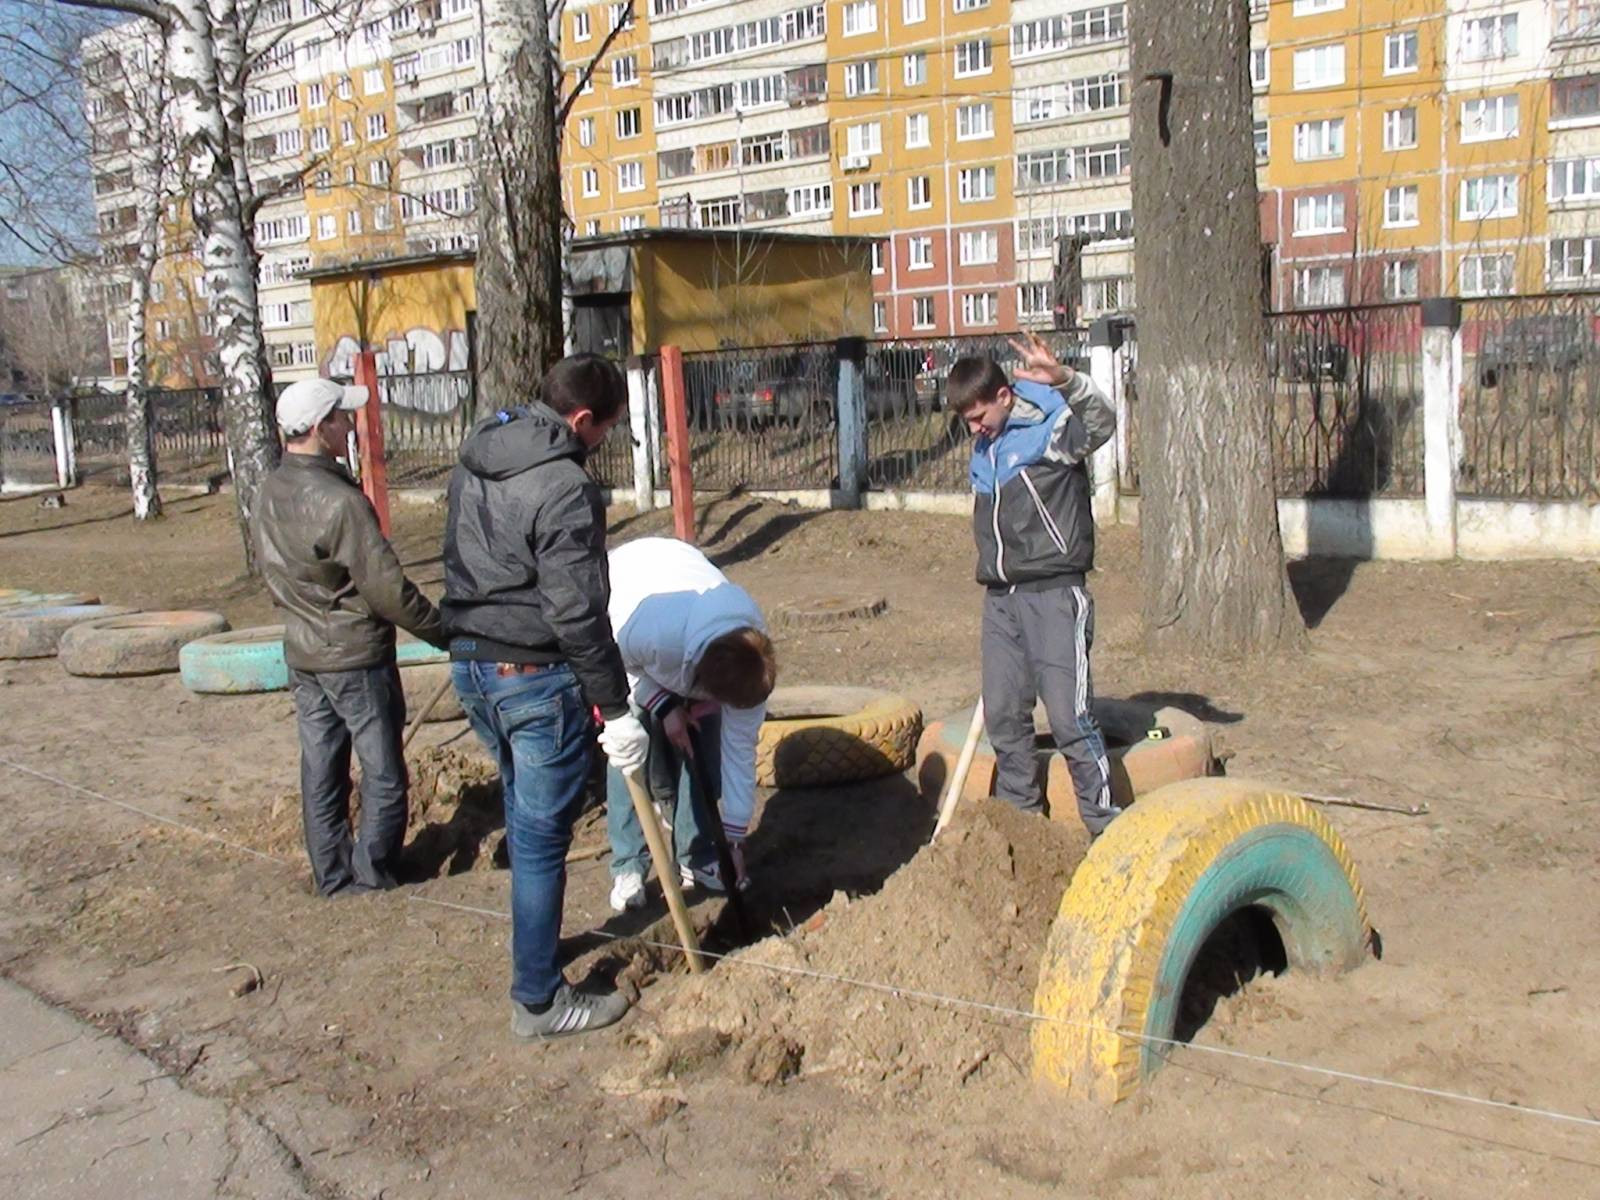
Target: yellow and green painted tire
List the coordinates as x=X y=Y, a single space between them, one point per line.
x=1151 y=890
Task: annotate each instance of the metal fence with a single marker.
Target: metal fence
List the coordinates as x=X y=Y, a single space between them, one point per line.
x=763 y=417
x=1347 y=401
x=913 y=442
x=27 y=444
x=424 y=419
x=1530 y=421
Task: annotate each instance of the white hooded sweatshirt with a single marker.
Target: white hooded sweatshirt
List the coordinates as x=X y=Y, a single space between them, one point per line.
x=668 y=603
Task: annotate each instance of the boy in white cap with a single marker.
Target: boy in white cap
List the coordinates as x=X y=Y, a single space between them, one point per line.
x=342 y=592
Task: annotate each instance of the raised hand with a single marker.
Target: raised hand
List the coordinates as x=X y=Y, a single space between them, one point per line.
x=1039 y=363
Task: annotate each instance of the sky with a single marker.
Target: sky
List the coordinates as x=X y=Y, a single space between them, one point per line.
x=46 y=203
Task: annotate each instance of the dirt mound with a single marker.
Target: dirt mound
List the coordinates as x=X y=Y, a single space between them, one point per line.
x=967 y=918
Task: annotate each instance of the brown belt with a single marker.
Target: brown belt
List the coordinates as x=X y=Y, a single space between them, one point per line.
x=507 y=669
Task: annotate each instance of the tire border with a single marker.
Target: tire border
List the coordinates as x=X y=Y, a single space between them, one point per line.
x=878 y=738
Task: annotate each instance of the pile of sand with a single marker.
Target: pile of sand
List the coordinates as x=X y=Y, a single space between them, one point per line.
x=967 y=917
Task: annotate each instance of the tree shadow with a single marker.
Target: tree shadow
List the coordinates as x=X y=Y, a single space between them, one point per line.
x=1319 y=584
x=766 y=535
x=1192 y=703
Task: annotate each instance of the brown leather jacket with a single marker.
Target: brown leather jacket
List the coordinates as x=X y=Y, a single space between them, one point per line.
x=329 y=568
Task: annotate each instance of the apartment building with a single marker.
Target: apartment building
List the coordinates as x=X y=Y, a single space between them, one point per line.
x=1407 y=148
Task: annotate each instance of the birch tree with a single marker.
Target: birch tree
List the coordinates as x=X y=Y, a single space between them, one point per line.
x=1214 y=578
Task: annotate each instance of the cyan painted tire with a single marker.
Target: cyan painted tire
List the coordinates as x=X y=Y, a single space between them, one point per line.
x=36 y=632
x=1162 y=879
x=251 y=660
x=236 y=663
x=15 y=598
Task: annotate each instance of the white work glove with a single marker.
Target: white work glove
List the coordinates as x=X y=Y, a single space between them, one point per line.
x=625 y=742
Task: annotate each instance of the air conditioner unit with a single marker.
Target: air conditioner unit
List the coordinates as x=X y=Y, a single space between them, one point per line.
x=854 y=162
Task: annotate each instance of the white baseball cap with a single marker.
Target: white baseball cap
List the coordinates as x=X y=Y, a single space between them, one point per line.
x=308 y=401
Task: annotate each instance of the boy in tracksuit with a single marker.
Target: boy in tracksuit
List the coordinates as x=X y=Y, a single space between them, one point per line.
x=700 y=668
x=1035 y=533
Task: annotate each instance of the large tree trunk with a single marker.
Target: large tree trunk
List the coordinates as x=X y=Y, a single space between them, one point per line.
x=1214 y=579
x=519 y=205
x=146 y=90
x=225 y=253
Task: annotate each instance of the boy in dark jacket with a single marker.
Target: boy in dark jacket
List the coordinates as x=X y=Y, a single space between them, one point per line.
x=1035 y=533
x=342 y=592
x=526 y=588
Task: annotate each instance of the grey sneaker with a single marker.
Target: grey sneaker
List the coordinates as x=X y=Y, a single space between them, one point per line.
x=569 y=1011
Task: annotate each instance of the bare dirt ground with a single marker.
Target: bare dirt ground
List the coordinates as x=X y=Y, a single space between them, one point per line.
x=376 y=1046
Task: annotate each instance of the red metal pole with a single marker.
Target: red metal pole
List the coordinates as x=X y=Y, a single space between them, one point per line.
x=369 y=440
x=677 y=419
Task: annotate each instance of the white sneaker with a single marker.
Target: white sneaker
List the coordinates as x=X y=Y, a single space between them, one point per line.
x=627 y=891
x=709 y=878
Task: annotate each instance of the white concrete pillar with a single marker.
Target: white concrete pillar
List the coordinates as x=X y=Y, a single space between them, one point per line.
x=852 y=401
x=66 y=446
x=640 y=412
x=1105 y=368
x=1441 y=419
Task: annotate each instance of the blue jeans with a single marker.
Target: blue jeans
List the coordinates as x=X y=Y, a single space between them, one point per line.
x=668 y=774
x=539 y=730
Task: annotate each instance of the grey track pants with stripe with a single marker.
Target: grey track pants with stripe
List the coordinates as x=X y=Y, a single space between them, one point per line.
x=1036 y=646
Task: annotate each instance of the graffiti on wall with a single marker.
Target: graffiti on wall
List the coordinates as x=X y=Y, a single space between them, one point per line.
x=421 y=368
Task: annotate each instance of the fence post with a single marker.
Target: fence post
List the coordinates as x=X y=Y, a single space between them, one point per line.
x=369 y=439
x=639 y=422
x=679 y=468
x=1105 y=339
x=1441 y=418
x=66 y=444
x=852 y=424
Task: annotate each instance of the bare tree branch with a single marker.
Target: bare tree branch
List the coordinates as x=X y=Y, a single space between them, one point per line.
x=589 y=70
x=148 y=9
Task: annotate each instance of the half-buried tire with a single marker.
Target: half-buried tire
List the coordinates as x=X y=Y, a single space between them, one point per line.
x=36 y=632
x=815 y=736
x=14 y=598
x=140 y=644
x=235 y=663
x=1165 y=876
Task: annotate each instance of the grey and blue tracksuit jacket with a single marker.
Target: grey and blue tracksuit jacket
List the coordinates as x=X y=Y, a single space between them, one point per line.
x=1031 y=515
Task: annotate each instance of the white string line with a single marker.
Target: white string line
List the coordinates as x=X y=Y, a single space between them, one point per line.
x=958 y=1002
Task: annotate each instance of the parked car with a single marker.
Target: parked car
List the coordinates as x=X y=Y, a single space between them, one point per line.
x=1308 y=359
x=1554 y=342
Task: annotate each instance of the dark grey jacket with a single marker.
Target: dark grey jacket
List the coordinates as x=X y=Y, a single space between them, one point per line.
x=332 y=572
x=525 y=575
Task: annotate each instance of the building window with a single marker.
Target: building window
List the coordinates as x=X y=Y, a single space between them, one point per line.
x=628 y=123
x=345 y=89
x=1488 y=275
x=914 y=69
x=631 y=222
x=1489 y=118
x=1574 y=260
x=585 y=131
x=1400 y=279
x=975 y=184
x=1107 y=295
x=1306 y=8
x=1262 y=139
x=1319 y=67
x=382 y=219
x=1033 y=301
x=1400 y=206
x=1400 y=53
x=861 y=78
x=305 y=354
x=977 y=247
x=591 y=182
x=815 y=199
x=630 y=176
x=163 y=329
x=319 y=139
x=378 y=172
x=917 y=135
x=919 y=252
x=372 y=81
x=1484 y=39
x=1488 y=196
x=377 y=126
x=591 y=228
x=919 y=192
x=316 y=95
x=1319 y=214
x=1318 y=287
x=974 y=121
x=322 y=182
x=327 y=227
x=1400 y=129
x=866 y=199
x=1319 y=139
x=347 y=133
x=878 y=265
x=581 y=30
x=625 y=70
x=980 y=308
x=1576 y=99
x=962 y=6
x=1575 y=180
x=974 y=58
x=880 y=316
x=352 y=221
x=922 y=312
x=863 y=140
x=1260 y=68
x=860 y=16
x=914 y=11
